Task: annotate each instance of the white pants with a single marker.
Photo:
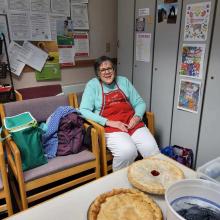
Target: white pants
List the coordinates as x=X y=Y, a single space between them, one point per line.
x=125 y=148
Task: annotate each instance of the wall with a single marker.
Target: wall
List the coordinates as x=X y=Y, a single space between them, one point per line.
x=175 y=126
x=103 y=29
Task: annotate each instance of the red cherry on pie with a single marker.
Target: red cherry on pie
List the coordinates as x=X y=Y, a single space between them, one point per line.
x=155 y=173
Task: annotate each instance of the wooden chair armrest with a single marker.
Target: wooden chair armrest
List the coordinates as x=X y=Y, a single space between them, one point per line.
x=13 y=156
x=102 y=144
x=73 y=100
x=150 y=120
x=18 y=96
x=1 y=154
x=94 y=140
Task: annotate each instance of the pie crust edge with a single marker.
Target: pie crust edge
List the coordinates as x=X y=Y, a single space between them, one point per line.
x=96 y=204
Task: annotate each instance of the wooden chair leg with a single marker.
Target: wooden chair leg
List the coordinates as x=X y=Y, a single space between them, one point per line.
x=21 y=185
x=8 y=201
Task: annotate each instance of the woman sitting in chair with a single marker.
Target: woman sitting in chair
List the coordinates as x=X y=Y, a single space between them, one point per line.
x=113 y=102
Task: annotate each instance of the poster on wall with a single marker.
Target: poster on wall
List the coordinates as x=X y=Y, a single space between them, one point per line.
x=51 y=69
x=81 y=43
x=66 y=51
x=60 y=7
x=140 y=24
x=192 y=60
x=79 y=14
x=142 y=12
x=167 y=12
x=143 y=44
x=189 y=96
x=197 y=21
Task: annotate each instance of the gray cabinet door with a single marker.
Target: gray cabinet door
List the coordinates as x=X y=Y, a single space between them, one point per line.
x=125 y=38
x=209 y=138
x=185 y=125
x=164 y=70
x=142 y=72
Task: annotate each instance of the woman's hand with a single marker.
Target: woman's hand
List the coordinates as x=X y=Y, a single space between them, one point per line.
x=134 y=120
x=117 y=124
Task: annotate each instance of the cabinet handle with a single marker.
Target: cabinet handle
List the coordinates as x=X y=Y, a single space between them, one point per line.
x=212 y=77
x=155 y=68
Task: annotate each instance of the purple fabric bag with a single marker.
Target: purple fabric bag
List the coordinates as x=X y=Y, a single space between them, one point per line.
x=181 y=154
x=70 y=135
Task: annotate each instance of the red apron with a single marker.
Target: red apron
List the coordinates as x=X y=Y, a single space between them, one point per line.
x=116 y=107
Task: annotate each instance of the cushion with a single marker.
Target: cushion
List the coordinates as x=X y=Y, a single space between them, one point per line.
x=40 y=108
x=58 y=164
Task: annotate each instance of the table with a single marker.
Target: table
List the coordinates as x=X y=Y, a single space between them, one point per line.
x=73 y=205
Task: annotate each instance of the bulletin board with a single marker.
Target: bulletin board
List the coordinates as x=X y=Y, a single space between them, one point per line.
x=65 y=22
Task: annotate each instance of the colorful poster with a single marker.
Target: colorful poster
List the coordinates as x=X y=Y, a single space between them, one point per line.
x=167 y=13
x=49 y=72
x=189 y=95
x=197 y=21
x=192 y=60
x=66 y=51
x=51 y=69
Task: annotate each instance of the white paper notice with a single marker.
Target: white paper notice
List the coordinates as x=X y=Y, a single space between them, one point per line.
x=60 y=7
x=67 y=54
x=142 y=12
x=19 y=24
x=21 y=5
x=36 y=57
x=81 y=42
x=3 y=6
x=53 y=24
x=40 y=6
x=40 y=27
x=143 y=43
x=16 y=54
x=79 y=14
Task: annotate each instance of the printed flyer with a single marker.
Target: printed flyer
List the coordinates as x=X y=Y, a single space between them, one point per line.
x=192 y=60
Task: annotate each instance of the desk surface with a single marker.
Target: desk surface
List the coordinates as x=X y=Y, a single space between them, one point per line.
x=74 y=204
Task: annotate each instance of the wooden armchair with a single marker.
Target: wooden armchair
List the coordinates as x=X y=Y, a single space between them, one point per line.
x=59 y=173
x=105 y=155
x=4 y=187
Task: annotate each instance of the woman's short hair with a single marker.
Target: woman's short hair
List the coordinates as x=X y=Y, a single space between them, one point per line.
x=99 y=61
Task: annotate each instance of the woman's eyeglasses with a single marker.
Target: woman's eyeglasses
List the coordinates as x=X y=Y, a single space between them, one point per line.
x=107 y=70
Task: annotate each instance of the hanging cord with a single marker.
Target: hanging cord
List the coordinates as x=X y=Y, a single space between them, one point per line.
x=9 y=67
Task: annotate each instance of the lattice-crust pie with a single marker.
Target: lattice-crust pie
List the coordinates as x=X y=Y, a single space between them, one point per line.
x=124 y=204
x=153 y=175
